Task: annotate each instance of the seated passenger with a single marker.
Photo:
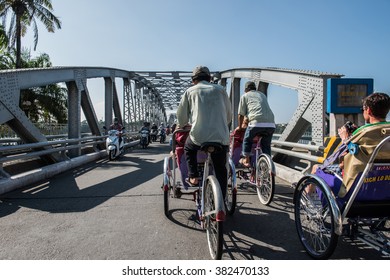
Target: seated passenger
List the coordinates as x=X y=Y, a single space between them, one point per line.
x=375 y=109
x=335 y=162
x=180 y=140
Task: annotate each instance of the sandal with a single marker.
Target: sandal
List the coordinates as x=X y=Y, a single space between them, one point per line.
x=192 y=184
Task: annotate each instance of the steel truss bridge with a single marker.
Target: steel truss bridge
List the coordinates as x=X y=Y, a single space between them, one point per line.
x=150 y=95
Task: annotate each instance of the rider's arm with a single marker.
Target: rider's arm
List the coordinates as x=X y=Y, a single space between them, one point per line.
x=240 y=122
x=228 y=107
x=242 y=111
x=183 y=111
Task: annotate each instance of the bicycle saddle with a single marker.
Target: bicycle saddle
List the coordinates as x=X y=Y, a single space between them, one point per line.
x=211 y=147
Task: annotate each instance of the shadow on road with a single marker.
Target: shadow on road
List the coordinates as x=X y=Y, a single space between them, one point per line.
x=62 y=193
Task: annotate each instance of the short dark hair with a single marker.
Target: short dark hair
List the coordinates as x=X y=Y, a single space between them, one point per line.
x=250 y=86
x=201 y=78
x=379 y=103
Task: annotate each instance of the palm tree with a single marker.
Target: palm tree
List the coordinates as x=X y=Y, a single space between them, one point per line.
x=24 y=14
x=3 y=38
x=47 y=103
x=6 y=60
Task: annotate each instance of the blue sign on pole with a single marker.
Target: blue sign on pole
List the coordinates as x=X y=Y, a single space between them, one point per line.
x=344 y=96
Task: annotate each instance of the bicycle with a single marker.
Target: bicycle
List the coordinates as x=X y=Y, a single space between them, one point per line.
x=207 y=195
x=261 y=172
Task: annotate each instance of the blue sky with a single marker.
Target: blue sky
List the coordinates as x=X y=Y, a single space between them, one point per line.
x=338 y=36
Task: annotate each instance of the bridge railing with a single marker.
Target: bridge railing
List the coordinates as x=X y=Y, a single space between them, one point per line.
x=22 y=152
x=13 y=149
x=302 y=151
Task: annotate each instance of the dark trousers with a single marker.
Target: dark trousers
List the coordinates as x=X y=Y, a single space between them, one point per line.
x=219 y=161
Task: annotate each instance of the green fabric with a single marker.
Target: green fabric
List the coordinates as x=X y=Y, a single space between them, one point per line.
x=207 y=108
x=368 y=125
x=254 y=105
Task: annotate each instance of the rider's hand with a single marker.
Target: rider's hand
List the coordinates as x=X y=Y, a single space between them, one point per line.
x=343 y=133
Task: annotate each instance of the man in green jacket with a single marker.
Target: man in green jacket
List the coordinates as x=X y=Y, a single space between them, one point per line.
x=254 y=105
x=206 y=107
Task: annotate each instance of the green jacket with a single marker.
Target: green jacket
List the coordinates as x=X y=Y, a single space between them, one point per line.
x=207 y=108
x=254 y=105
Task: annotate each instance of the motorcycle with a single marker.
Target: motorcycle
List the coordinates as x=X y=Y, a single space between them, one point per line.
x=114 y=144
x=153 y=135
x=162 y=135
x=144 y=140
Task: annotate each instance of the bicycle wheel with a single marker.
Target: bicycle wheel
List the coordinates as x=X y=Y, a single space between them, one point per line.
x=314 y=219
x=167 y=186
x=265 y=181
x=231 y=192
x=167 y=195
x=214 y=228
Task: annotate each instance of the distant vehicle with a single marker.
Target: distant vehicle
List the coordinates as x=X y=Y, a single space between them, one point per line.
x=162 y=135
x=144 y=140
x=153 y=135
x=114 y=144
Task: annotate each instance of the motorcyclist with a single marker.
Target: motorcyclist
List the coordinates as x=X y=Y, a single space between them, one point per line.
x=146 y=127
x=168 y=129
x=162 y=132
x=117 y=126
x=161 y=128
x=153 y=131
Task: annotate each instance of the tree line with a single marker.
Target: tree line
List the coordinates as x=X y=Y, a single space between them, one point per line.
x=41 y=104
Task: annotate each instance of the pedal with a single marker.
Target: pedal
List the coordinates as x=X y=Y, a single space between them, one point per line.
x=178 y=193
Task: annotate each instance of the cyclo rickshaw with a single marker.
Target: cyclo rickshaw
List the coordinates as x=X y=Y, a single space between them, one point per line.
x=261 y=172
x=210 y=205
x=361 y=213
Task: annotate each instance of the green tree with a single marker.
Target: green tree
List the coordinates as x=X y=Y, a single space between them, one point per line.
x=47 y=103
x=6 y=60
x=24 y=14
x=3 y=38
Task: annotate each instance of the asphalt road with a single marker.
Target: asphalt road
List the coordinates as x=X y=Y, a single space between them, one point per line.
x=114 y=210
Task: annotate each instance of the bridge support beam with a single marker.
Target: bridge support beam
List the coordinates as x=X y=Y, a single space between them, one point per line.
x=235 y=99
x=108 y=103
x=90 y=115
x=116 y=105
x=74 y=115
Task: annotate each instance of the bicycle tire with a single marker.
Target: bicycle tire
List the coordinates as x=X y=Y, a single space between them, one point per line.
x=167 y=186
x=167 y=195
x=231 y=193
x=214 y=228
x=314 y=220
x=265 y=180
